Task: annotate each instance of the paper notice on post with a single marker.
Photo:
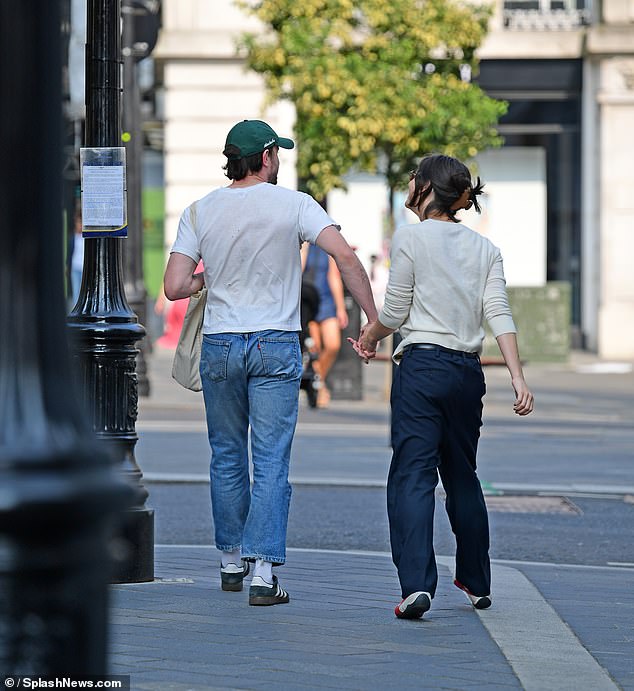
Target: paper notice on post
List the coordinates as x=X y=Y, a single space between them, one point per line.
x=103 y=196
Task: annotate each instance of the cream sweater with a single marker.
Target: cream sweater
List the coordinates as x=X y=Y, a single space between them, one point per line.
x=444 y=279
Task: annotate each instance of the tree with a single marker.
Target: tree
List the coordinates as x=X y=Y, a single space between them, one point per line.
x=376 y=83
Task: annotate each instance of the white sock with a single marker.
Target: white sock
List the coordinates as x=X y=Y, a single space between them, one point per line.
x=232 y=557
x=264 y=569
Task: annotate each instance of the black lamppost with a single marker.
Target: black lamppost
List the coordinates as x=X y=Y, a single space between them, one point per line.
x=103 y=328
x=58 y=490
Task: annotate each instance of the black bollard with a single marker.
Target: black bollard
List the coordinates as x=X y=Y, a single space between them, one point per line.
x=103 y=329
x=58 y=491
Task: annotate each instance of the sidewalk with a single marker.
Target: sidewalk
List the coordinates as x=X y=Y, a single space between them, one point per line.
x=551 y=626
x=339 y=630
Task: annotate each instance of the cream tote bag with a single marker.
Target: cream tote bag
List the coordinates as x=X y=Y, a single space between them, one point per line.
x=186 y=366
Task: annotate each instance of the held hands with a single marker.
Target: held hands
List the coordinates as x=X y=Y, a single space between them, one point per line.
x=523 y=397
x=365 y=346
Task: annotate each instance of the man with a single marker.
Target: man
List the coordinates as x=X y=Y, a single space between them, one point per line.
x=248 y=236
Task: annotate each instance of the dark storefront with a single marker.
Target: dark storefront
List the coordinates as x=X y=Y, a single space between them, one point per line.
x=544 y=99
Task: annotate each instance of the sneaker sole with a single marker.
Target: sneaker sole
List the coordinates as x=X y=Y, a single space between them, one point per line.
x=232 y=587
x=415 y=609
x=267 y=600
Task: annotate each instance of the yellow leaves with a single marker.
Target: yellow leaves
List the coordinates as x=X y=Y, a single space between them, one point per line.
x=279 y=57
x=367 y=143
x=323 y=91
x=347 y=125
x=339 y=98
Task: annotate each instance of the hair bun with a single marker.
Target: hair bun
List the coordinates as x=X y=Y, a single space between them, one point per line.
x=460 y=182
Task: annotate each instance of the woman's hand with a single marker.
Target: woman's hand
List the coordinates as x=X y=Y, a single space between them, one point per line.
x=523 y=397
x=365 y=355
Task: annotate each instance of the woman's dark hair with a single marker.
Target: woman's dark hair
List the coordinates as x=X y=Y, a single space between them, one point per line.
x=451 y=183
x=239 y=168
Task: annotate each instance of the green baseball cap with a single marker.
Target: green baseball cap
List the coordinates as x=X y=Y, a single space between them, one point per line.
x=251 y=137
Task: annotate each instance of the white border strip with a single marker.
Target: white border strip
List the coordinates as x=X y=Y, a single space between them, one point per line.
x=542 y=649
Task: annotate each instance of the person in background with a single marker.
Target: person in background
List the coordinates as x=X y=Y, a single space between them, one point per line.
x=444 y=280
x=321 y=270
x=249 y=235
x=77 y=259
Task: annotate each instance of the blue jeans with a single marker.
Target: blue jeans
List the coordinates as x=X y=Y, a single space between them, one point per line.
x=251 y=380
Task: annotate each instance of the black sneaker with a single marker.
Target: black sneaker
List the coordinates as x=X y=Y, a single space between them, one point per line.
x=414 y=605
x=478 y=601
x=263 y=593
x=232 y=576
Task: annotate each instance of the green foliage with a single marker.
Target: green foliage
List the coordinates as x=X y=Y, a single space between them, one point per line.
x=375 y=83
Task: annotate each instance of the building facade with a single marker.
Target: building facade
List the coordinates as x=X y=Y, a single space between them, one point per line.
x=561 y=205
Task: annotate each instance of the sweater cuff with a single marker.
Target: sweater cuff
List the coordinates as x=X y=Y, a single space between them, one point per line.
x=502 y=324
x=390 y=322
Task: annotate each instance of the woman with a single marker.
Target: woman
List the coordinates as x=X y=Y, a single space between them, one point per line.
x=320 y=270
x=444 y=279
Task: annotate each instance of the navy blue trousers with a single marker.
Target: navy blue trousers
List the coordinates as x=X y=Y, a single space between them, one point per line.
x=436 y=419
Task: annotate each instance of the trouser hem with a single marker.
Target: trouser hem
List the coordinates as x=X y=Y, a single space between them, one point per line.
x=228 y=548
x=275 y=561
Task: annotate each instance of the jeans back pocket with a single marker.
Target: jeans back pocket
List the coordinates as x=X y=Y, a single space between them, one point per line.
x=214 y=358
x=281 y=356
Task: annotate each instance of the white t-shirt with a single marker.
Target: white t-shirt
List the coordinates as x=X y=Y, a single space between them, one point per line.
x=249 y=240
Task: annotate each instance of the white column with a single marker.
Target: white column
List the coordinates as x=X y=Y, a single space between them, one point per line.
x=616 y=205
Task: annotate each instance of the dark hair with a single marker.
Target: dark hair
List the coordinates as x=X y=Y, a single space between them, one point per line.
x=450 y=180
x=239 y=168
